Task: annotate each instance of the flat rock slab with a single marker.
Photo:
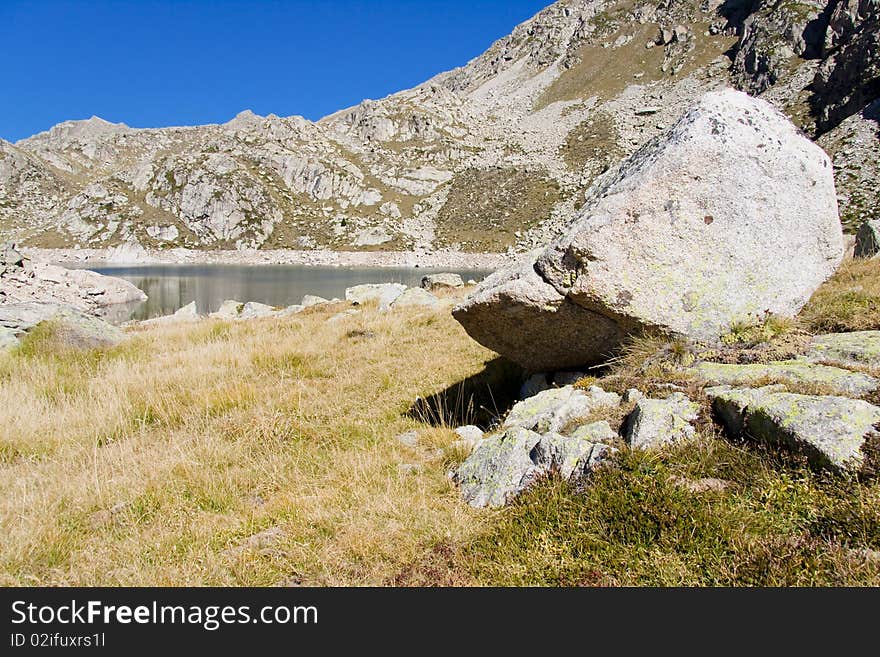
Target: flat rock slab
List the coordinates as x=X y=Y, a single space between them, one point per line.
x=858 y=349
x=836 y=433
x=729 y=215
x=551 y=410
x=796 y=371
x=657 y=422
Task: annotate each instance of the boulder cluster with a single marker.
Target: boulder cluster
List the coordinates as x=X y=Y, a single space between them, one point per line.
x=727 y=219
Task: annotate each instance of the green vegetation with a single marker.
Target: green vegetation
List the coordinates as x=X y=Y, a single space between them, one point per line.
x=265 y=452
x=486 y=207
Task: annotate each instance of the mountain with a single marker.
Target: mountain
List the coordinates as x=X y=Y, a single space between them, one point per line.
x=491 y=156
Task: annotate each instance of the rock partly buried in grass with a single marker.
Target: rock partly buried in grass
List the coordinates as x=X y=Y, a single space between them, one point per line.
x=857 y=349
x=310 y=300
x=836 y=433
x=441 y=281
x=730 y=215
x=416 y=297
x=70 y=327
x=256 y=310
x=7 y=338
x=658 y=422
x=551 y=410
x=835 y=379
x=229 y=309
x=382 y=293
x=868 y=239
x=499 y=469
x=505 y=465
x=188 y=313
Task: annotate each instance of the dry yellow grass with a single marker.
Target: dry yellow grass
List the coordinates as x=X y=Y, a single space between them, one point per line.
x=251 y=453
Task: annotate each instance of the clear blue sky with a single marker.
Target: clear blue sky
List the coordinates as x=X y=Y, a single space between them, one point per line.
x=158 y=63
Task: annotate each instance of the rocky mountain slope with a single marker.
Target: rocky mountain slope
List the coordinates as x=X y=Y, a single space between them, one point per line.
x=492 y=156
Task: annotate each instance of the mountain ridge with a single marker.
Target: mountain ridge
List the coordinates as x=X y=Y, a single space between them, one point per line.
x=494 y=155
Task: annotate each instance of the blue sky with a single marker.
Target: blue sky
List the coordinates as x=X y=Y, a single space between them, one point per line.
x=159 y=63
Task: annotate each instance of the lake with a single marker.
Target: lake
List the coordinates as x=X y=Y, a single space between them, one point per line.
x=170 y=287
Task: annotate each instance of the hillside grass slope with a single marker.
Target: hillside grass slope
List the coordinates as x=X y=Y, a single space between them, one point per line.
x=266 y=453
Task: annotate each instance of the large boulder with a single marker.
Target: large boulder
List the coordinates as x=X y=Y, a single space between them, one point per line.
x=731 y=215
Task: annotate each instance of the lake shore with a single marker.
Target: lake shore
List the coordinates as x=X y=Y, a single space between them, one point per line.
x=438 y=259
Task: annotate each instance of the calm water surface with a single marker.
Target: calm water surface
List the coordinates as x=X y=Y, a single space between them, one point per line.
x=170 y=287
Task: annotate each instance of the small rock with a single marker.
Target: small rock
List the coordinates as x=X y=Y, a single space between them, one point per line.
x=229 y=309
x=503 y=466
x=645 y=111
x=310 y=300
x=408 y=468
x=441 y=281
x=409 y=438
x=255 y=310
x=382 y=293
x=656 y=422
x=499 y=469
x=868 y=239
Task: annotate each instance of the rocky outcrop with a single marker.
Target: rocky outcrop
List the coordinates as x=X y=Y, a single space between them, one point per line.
x=670 y=243
x=503 y=466
x=836 y=433
x=490 y=156
x=23 y=281
x=849 y=77
x=773 y=37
